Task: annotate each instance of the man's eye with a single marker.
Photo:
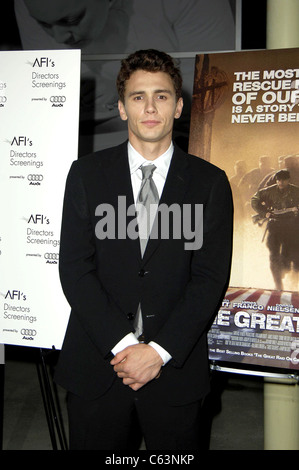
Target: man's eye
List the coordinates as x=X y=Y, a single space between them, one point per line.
x=44 y=25
x=64 y=22
x=161 y=97
x=73 y=20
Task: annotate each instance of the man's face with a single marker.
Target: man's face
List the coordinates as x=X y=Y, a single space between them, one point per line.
x=72 y=22
x=282 y=183
x=150 y=107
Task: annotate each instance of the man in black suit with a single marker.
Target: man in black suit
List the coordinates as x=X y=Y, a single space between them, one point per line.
x=135 y=353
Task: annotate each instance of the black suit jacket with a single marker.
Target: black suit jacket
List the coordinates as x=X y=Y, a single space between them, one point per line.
x=104 y=280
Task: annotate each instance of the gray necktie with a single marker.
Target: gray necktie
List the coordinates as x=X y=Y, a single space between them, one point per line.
x=147 y=202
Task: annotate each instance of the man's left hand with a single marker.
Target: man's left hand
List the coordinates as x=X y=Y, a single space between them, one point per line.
x=137 y=365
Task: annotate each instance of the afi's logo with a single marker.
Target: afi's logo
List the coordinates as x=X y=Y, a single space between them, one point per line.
x=38 y=219
x=43 y=62
x=15 y=295
x=21 y=140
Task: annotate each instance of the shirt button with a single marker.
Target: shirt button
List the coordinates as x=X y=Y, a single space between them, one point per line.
x=130 y=316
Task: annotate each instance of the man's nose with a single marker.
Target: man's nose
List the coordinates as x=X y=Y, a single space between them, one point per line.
x=150 y=106
x=62 y=34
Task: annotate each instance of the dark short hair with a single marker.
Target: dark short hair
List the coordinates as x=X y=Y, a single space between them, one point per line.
x=149 y=60
x=282 y=175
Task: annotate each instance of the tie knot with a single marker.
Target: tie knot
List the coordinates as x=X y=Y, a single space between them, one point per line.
x=147 y=171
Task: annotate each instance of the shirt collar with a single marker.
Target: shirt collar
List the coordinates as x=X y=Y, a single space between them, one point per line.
x=136 y=160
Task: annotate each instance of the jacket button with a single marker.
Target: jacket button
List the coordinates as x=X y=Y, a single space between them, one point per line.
x=130 y=316
x=142 y=273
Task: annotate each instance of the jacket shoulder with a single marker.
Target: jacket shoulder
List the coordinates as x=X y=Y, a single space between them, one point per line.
x=104 y=157
x=203 y=170
x=204 y=165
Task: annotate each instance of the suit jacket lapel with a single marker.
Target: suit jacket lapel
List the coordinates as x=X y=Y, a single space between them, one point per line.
x=118 y=181
x=117 y=174
x=176 y=185
x=177 y=180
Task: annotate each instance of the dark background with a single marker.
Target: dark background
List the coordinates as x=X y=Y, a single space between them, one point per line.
x=254 y=19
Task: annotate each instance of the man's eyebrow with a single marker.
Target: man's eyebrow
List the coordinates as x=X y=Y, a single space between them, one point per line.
x=141 y=92
x=133 y=93
x=164 y=90
x=67 y=20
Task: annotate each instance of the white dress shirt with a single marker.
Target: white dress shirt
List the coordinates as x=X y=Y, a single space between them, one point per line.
x=159 y=176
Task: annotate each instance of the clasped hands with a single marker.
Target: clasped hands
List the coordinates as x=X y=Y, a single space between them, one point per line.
x=137 y=365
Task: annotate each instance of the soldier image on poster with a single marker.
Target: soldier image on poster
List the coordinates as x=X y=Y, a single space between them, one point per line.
x=277 y=207
x=249 y=183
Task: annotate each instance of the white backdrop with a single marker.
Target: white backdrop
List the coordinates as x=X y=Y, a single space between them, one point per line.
x=39 y=113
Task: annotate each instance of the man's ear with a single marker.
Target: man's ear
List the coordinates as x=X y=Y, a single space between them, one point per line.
x=122 y=110
x=179 y=108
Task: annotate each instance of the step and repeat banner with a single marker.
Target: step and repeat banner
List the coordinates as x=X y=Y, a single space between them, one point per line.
x=245 y=119
x=39 y=112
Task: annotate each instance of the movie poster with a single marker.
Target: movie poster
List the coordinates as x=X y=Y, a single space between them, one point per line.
x=245 y=119
x=39 y=109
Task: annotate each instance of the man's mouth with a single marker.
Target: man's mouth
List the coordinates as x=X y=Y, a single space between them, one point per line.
x=150 y=123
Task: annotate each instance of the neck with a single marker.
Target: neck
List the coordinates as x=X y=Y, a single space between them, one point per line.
x=150 y=150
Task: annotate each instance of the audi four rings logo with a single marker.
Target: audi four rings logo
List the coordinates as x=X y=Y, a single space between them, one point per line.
x=57 y=99
x=28 y=332
x=35 y=177
x=3 y=99
x=51 y=256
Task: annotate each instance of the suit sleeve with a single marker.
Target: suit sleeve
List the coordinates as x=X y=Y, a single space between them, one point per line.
x=98 y=315
x=210 y=268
